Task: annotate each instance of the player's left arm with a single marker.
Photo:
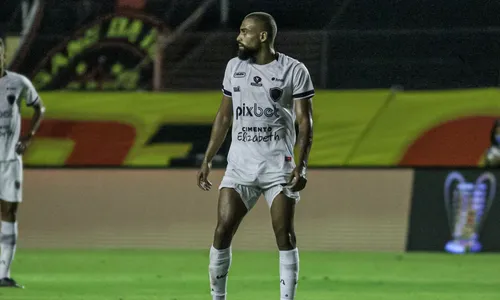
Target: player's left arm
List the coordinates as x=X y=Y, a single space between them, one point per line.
x=303 y=92
x=33 y=100
x=303 y=111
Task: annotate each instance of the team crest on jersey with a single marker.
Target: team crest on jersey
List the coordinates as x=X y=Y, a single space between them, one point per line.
x=11 y=99
x=276 y=94
x=257 y=81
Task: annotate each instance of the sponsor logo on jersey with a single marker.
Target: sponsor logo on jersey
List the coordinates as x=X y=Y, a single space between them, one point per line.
x=236 y=89
x=257 y=81
x=5 y=114
x=256 y=111
x=239 y=74
x=257 y=129
x=278 y=79
x=257 y=135
x=5 y=130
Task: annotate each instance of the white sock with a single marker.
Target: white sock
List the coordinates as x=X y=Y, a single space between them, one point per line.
x=220 y=261
x=289 y=273
x=8 y=239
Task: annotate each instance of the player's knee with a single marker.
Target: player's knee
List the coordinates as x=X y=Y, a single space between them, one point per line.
x=285 y=237
x=9 y=212
x=224 y=229
x=223 y=235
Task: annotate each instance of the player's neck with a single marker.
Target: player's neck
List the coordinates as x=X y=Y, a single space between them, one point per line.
x=265 y=57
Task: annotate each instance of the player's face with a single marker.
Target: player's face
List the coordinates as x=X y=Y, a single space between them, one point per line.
x=249 y=40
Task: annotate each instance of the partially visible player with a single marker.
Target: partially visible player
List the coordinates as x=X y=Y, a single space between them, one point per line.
x=492 y=158
x=13 y=89
x=264 y=94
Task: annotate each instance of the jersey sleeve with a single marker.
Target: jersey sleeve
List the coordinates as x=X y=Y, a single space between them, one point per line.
x=302 y=83
x=29 y=92
x=226 y=83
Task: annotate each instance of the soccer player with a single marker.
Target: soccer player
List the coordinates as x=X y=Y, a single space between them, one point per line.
x=13 y=88
x=492 y=157
x=264 y=93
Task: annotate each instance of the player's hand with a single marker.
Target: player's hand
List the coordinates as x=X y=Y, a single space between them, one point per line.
x=203 y=181
x=22 y=145
x=298 y=179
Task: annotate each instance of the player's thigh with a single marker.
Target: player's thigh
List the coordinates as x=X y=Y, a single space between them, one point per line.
x=230 y=209
x=10 y=189
x=281 y=201
x=283 y=213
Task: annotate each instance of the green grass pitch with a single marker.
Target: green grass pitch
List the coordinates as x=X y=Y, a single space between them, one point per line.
x=183 y=275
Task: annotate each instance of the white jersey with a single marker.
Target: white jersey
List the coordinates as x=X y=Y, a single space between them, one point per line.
x=263 y=133
x=13 y=89
x=493 y=156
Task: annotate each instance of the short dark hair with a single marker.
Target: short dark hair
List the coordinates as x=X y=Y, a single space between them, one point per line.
x=268 y=22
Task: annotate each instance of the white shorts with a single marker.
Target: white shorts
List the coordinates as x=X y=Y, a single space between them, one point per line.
x=11 y=179
x=270 y=185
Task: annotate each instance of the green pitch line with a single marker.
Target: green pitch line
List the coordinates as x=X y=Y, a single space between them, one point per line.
x=169 y=275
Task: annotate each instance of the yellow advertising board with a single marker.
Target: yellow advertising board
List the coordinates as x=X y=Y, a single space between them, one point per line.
x=352 y=128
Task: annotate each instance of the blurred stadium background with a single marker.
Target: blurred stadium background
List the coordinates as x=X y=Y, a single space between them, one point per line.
x=407 y=93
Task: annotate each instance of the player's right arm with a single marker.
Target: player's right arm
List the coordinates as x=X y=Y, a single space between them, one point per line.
x=220 y=128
